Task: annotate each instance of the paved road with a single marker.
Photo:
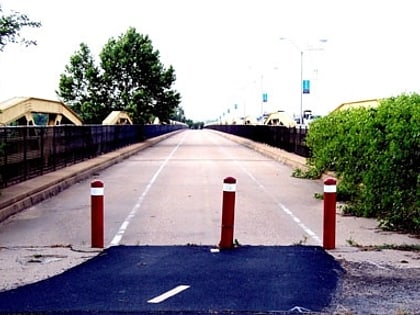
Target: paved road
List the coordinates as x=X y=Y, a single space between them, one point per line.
x=186 y=280
x=170 y=194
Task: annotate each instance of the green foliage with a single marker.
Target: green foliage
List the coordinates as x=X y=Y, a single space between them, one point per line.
x=376 y=155
x=311 y=173
x=81 y=87
x=130 y=78
x=40 y=119
x=11 y=26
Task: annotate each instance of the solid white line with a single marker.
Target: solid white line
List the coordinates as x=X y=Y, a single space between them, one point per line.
x=168 y=294
x=121 y=231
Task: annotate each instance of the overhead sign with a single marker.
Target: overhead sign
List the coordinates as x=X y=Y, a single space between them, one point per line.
x=305 y=86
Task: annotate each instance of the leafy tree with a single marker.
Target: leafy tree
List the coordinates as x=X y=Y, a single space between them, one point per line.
x=178 y=115
x=81 y=87
x=11 y=26
x=130 y=78
x=136 y=80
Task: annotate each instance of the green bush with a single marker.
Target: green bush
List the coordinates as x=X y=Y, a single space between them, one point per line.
x=375 y=153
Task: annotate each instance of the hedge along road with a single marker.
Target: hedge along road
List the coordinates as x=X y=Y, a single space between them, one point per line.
x=170 y=194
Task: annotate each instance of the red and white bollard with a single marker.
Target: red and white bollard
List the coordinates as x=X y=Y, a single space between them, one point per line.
x=97 y=213
x=228 y=213
x=330 y=198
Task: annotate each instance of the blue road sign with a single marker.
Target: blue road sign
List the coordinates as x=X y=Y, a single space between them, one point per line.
x=305 y=86
x=265 y=97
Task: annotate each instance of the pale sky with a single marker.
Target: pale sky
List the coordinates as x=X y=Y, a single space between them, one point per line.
x=228 y=52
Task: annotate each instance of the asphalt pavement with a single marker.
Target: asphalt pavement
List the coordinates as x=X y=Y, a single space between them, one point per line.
x=186 y=280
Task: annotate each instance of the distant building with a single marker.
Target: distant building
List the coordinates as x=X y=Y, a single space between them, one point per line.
x=356 y=104
x=279 y=118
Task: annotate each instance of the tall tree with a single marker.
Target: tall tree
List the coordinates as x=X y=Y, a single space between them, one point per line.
x=81 y=87
x=130 y=78
x=136 y=80
x=11 y=26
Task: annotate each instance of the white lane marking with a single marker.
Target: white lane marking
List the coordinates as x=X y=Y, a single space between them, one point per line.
x=300 y=224
x=121 y=231
x=168 y=294
x=283 y=207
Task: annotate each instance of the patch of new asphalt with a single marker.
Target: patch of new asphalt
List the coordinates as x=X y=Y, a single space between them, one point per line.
x=196 y=280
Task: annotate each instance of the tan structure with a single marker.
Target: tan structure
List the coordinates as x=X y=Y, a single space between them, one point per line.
x=117 y=118
x=19 y=110
x=250 y=120
x=364 y=103
x=279 y=118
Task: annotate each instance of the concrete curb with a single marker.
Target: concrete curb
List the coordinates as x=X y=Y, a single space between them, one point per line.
x=277 y=154
x=274 y=153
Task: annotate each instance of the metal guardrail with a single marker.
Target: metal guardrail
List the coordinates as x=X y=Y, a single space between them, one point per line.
x=30 y=151
x=289 y=139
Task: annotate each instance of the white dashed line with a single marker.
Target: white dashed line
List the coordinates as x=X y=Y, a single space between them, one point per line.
x=168 y=294
x=121 y=231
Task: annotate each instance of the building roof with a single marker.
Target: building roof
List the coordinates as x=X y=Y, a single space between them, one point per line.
x=355 y=104
x=117 y=118
x=15 y=108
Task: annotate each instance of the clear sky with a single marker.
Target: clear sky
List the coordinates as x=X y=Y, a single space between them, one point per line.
x=228 y=52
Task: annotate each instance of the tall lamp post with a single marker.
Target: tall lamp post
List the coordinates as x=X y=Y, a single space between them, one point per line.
x=301 y=73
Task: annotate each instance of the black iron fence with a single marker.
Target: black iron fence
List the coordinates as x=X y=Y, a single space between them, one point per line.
x=289 y=139
x=30 y=151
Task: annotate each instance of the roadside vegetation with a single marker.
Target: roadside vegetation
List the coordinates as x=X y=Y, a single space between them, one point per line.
x=129 y=77
x=11 y=26
x=375 y=155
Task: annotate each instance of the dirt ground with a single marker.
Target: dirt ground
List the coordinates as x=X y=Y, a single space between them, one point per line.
x=369 y=288
x=24 y=265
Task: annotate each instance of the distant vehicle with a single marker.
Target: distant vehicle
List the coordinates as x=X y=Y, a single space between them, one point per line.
x=308 y=117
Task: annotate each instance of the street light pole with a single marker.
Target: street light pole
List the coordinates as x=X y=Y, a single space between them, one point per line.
x=301 y=74
x=301 y=88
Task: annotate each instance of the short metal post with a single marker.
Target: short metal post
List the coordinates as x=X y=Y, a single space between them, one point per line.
x=228 y=213
x=97 y=213
x=330 y=198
